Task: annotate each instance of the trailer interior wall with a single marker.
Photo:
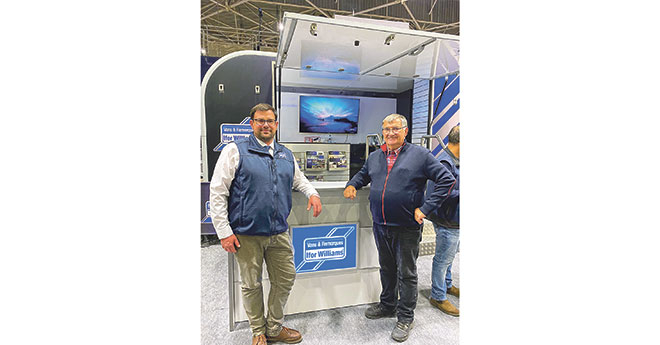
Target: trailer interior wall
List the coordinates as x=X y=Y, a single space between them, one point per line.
x=372 y=111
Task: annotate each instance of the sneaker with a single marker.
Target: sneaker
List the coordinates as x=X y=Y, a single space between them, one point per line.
x=259 y=340
x=454 y=291
x=378 y=311
x=444 y=306
x=287 y=335
x=401 y=331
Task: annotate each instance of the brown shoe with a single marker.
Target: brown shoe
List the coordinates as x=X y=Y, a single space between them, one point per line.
x=287 y=335
x=259 y=340
x=454 y=291
x=444 y=306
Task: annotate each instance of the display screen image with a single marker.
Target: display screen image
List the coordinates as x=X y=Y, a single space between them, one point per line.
x=329 y=114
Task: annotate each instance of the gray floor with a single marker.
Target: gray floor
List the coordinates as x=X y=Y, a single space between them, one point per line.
x=336 y=326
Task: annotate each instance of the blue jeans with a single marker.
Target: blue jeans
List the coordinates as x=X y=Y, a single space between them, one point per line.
x=446 y=246
x=398 y=249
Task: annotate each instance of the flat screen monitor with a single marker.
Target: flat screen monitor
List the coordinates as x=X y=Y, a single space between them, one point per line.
x=329 y=114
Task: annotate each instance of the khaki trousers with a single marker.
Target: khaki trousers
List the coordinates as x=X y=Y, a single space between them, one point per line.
x=278 y=253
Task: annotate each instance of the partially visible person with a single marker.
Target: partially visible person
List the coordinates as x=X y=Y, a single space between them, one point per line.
x=446 y=224
x=398 y=173
x=250 y=198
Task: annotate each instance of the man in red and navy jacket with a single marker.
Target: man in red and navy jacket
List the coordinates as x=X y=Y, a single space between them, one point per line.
x=398 y=174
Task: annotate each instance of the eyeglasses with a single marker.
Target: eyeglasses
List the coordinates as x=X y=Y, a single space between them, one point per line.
x=392 y=130
x=262 y=122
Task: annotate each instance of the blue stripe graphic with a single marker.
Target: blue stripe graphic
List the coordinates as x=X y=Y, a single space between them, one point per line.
x=446 y=116
x=437 y=149
x=450 y=93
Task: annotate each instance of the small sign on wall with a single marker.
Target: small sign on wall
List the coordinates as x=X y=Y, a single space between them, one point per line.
x=232 y=131
x=318 y=248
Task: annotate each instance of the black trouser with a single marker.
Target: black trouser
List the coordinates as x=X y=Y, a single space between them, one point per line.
x=398 y=249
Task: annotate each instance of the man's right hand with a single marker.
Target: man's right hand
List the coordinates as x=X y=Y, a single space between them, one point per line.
x=350 y=192
x=230 y=243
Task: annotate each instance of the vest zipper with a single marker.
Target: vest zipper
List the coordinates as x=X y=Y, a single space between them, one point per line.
x=273 y=176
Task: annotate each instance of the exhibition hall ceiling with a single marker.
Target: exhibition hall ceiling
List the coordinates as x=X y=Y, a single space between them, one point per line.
x=230 y=25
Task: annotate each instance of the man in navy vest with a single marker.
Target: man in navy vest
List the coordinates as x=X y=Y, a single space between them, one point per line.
x=398 y=173
x=250 y=197
x=446 y=223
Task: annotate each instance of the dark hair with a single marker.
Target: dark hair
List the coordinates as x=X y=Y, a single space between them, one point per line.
x=454 y=135
x=262 y=107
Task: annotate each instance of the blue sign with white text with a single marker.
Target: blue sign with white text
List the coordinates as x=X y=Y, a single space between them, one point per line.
x=324 y=247
x=231 y=131
x=207 y=217
x=207 y=225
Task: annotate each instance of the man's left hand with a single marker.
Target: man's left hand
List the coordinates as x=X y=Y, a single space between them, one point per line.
x=419 y=216
x=314 y=201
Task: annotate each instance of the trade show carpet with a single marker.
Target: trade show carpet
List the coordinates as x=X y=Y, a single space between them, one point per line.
x=339 y=326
